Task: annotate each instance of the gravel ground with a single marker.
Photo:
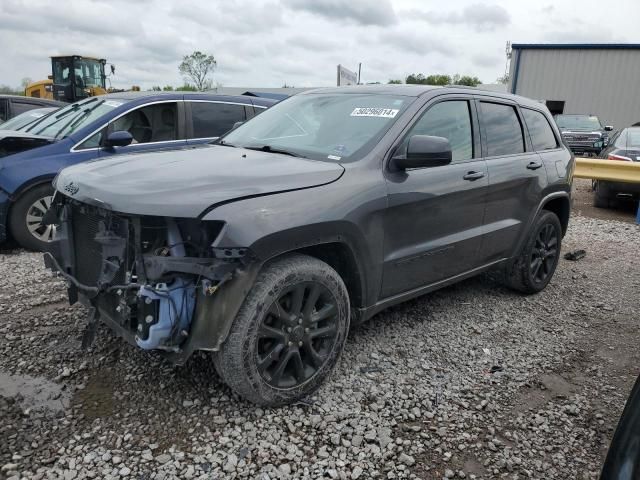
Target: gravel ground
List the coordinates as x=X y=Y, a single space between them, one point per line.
x=473 y=381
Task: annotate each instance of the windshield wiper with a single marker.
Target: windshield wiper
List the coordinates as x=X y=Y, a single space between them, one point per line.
x=270 y=149
x=75 y=120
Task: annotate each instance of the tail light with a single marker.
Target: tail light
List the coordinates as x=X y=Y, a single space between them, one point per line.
x=618 y=157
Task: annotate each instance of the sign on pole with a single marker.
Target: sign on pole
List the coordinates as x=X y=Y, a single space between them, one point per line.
x=346 y=76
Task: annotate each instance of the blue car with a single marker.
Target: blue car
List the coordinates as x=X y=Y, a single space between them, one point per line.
x=99 y=127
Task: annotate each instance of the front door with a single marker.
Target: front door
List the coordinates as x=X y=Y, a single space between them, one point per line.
x=434 y=221
x=158 y=126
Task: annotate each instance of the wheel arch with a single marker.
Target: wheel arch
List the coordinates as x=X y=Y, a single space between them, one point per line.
x=561 y=206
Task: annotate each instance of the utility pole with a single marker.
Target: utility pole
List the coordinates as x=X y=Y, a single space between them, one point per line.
x=359 y=69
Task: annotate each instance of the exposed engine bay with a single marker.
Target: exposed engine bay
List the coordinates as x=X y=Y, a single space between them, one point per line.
x=145 y=276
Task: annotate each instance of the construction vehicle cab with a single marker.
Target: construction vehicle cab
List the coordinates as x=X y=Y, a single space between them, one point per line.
x=73 y=78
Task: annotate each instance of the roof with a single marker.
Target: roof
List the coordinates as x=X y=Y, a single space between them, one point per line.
x=179 y=94
x=42 y=101
x=405 y=90
x=576 y=46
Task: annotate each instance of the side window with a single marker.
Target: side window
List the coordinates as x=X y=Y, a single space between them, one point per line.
x=21 y=107
x=93 y=141
x=214 y=119
x=541 y=133
x=4 y=111
x=503 y=129
x=451 y=120
x=153 y=123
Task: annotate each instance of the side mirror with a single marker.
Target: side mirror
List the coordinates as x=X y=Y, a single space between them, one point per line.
x=608 y=128
x=121 y=138
x=236 y=125
x=425 y=151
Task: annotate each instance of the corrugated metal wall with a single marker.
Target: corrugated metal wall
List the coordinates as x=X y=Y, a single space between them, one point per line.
x=601 y=82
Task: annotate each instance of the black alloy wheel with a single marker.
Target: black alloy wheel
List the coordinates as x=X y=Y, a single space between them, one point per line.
x=289 y=333
x=544 y=253
x=296 y=335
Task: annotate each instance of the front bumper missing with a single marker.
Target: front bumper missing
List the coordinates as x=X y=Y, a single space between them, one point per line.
x=222 y=285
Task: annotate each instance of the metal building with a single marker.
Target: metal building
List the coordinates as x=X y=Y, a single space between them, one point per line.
x=596 y=79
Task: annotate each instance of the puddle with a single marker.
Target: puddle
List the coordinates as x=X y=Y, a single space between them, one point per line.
x=96 y=399
x=33 y=392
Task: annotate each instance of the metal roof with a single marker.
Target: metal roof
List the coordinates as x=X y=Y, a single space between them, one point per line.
x=576 y=46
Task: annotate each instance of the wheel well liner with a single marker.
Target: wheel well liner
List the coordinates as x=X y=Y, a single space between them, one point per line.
x=562 y=208
x=340 y=257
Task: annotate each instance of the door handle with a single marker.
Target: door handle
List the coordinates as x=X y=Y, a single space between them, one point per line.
x=534 y=165
x=473 y=175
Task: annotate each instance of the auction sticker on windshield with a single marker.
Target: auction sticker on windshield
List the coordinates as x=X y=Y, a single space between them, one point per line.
x=112 y=103
x=374 y=112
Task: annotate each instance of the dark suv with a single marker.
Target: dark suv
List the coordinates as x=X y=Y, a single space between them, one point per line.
x=583 y=133
x=317 y=214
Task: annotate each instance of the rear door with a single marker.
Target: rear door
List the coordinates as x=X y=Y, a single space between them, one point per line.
x=517 y=176
x=212 y=119
x=433 y=223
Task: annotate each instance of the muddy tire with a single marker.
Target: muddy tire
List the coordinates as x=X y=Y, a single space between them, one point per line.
x=533 y=269
x=288 y=334
x=24 y=217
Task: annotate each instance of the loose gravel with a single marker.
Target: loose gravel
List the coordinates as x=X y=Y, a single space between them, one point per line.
x=473 y=381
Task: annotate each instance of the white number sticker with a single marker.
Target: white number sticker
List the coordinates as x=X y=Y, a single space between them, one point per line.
x=374 y=112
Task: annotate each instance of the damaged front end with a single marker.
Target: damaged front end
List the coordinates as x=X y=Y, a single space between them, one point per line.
x=156 y=281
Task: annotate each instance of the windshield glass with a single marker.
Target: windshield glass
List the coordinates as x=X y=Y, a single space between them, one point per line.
x=629 y=139
x=578 y=122
x=321 y=126
x=23 y=120
x=73 y=117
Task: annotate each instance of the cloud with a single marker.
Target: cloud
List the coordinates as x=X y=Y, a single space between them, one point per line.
x=414 y=42
x=360 y=12
x=487 y=60
x=479 y=16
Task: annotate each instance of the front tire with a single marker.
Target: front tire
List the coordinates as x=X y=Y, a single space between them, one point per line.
x=533 y=269
x=26 y=215
x=288 y=334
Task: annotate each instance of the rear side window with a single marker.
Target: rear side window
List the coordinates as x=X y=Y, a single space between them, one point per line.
x=215 y=119
x=3 y=110
x=21 y=107
x=451 y=120
x=503 y=129
x=542 y=136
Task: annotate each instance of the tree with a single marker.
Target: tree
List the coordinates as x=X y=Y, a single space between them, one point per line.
x=25 y=81
x=187 y=88
x=394 y=82
x=504 y=79
x=197 y=68
x=167 y=88
x=467 y=80
x=438 y=80
x=156 y=88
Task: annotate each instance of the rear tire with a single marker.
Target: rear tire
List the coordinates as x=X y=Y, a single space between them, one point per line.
x=23 y=219
x=288 y=334
x=533 y=269
x=602 y=195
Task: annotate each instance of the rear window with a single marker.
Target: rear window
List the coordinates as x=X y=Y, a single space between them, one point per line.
x=502 y=128
x=540 y=131
x=215 y=119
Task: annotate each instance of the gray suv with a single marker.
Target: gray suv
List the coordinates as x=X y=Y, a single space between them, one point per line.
x=313 y=216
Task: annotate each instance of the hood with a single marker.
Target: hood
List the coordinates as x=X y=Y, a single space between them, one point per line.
x=185 y=183
x=15 y=142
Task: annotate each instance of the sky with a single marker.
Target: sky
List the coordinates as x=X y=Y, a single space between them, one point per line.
x=297 y=42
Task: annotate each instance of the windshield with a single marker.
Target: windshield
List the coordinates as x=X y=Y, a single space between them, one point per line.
x=629 y=139
x=23 y=120
x=87 y=73
x=578 y=122
x=321 y=126
x=73 y=117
